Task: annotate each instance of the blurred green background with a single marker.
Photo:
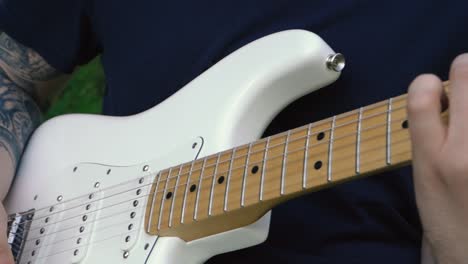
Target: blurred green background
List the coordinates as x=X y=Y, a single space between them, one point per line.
x=83 y=93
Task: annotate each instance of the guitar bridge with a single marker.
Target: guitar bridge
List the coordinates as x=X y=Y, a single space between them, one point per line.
x=18 y=228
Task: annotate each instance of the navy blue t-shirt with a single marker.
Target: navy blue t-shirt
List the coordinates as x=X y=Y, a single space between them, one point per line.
x=150 y=49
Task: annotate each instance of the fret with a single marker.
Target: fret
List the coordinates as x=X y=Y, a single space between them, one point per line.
x=373 y=137
x=153 y=201
x=244 y=178
x=161 y=207
x=195 y=213
x=228 y=180
x=213 y=183
x=175 y=195
x=358 y=141
x=389 y=131
x=283 y=167
x=187 y=186
x=330 y=150
x=306 y=157
x=262 y=177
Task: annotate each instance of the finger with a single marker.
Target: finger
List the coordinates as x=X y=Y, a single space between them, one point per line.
x=425 y=123
x=459 y=98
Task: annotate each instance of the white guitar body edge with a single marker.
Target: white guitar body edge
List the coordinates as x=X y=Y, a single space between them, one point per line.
x=228 y=105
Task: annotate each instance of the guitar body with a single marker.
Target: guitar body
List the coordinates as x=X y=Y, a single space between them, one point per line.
x=88 y=177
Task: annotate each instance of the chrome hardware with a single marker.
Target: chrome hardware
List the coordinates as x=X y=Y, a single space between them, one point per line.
x=59 y=198
x=145 y=168
x=18 y=228
x=126 y=254
x=97 y=184
x=336 y=62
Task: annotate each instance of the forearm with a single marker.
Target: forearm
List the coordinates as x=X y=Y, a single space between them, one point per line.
x=19 y=116
x=25 y=80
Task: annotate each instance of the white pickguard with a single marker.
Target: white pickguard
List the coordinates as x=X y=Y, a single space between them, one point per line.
x=77 y=155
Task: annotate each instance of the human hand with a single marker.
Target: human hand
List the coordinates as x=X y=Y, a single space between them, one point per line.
x=440 y=161
x=5 y=252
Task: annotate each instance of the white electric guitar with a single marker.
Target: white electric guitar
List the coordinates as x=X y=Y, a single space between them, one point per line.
x=186 y=180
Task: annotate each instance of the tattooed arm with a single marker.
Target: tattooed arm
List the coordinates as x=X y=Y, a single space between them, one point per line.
x=26 y=81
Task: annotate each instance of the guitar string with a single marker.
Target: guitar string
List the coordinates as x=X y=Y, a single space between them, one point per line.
x=77 y=246
x=211 y=176
x=74 y=237
x=169 y=178
x=142 y=186
x=127 y=232
x=320 y=122
x=141 y=197
x=142 y=226
x=94 y=220
x=93 y=211
x=402 y=141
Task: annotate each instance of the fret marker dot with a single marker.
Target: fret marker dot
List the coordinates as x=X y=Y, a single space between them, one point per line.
x=404 y=125
x=220 y=179
x=193 y=188
x=318 y=165
x=320 y=136
x=254 y=169
x=168 y=195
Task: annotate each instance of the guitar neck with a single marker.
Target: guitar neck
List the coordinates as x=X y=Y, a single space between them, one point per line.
x=249 y=180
